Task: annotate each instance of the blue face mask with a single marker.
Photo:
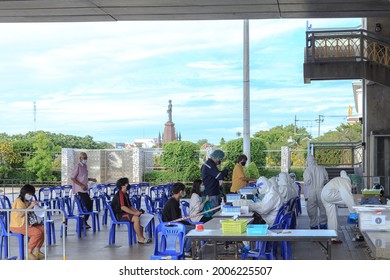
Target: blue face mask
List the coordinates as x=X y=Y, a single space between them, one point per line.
x=184 y=194
x=202 y=188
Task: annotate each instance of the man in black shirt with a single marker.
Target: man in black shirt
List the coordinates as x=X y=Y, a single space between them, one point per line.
x=172 y=212
x=124 y=211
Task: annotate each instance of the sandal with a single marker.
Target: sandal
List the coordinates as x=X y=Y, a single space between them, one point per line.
x=145 y=241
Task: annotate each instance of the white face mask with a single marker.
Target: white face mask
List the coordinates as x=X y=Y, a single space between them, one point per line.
x=28 y=197
x=85 y=161
x=202 y=188
x=184 y=194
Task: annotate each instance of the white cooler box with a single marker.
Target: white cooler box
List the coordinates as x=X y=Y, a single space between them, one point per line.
x=374 y=218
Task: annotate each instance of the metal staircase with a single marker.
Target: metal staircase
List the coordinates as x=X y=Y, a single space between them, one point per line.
x=346 y=54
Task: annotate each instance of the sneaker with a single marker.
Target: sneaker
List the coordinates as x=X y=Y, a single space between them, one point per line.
x=87 y=226
x=187 y=254
x=336 y=241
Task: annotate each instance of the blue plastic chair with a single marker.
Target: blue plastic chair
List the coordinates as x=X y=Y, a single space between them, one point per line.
x=168 y=190
x=68 y=213
x=111 y=190
x=4 y=239
x=94 y=193
x=82 y=210
x=184 y=206
x=56 y=195
x=130 y=228
x=45 y=198
x=5 y=203
x=67 y=196
x=143 y=188
x=169 y=242
x=158 y=196
x=285 y=246
x=150 y=206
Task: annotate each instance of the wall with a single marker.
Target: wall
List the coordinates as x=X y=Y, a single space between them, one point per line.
x=107 y=166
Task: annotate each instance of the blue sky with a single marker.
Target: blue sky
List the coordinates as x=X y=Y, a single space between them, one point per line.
x=113 y=80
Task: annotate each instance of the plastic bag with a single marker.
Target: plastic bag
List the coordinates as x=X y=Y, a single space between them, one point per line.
x=206 y=207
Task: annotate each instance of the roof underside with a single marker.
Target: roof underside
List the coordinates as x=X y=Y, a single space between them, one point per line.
x=126 y=10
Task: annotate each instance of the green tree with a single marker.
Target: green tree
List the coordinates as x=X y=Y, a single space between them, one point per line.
x=192 y=173
x=234 y=148
x=222 y=142
x=238 y=134
x=179 y=155
x=41 y=163
x=251 y=171
x=343 y=133
x=8 y=158
x=279 y=136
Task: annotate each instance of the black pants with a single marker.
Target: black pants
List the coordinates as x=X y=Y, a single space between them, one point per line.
x=88 y=203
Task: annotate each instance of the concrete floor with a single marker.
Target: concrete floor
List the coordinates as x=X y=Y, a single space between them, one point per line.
x=95 y=245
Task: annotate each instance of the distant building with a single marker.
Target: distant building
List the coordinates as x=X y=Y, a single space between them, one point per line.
x=145 y=142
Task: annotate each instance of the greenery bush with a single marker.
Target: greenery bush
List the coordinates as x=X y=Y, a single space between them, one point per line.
x=192 y=173
x=251 y=171
x=179 y=155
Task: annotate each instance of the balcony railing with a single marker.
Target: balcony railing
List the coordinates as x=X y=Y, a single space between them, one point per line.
x=346 y=45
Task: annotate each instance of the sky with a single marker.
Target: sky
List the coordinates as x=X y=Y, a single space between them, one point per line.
x=113 y=80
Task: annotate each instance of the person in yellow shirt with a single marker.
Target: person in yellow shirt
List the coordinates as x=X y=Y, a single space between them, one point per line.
x=239 y=180
x=18 y=222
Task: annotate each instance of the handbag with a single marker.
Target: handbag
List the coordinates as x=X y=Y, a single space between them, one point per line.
x=32 y=219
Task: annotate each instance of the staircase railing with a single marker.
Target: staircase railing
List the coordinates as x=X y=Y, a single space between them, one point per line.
x=346 y=45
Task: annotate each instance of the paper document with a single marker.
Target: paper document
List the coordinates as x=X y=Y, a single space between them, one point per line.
x=145 y=219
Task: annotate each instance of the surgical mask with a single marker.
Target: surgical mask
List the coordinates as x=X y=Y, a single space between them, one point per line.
x=202 y=188
x=243 y=163
x=85 y=161
x=28 y=197
x=184 y=194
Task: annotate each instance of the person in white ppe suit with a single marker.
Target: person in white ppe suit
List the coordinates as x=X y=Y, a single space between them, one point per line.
x=285 y=187
x=315 y=177
x=294 y=183
x=269 y=201
x=337 y=191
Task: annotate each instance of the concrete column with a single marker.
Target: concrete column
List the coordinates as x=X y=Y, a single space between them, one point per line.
x=376 y=117
x=286 y=159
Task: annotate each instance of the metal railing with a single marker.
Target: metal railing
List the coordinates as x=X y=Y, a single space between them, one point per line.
x=347 y=45
x=45 y=219
x=337 y=154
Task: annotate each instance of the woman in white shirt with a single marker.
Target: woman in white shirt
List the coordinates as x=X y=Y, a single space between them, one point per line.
x=196 y=204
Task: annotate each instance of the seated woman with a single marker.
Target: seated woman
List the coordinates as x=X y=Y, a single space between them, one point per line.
x=18 y=223
x=196 y=204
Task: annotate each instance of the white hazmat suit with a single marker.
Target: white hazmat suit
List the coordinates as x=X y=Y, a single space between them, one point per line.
x=285 y=187
x=337 y=191
x=314 y=178
x=268 y=207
